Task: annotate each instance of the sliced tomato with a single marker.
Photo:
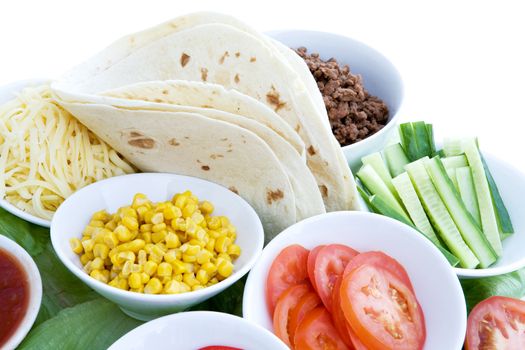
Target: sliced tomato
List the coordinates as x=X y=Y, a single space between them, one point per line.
x=330 y=263
x=356 y=342
x=382 y=261
x=311 y=264
x=496 y=323
x=288 y=269
x=217 y=347
x=308 y=302
x=317 y=332
x=337 y=313
x=285 y=304
x=382 y=309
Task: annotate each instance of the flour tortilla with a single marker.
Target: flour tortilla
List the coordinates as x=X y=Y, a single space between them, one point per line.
x=194 y=145
x=207 y=95
x=224 y=55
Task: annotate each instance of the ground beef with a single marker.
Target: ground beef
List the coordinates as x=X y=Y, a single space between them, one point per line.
x=354 y=114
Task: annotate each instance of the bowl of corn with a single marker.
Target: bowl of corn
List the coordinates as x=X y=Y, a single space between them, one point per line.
x=156 y=244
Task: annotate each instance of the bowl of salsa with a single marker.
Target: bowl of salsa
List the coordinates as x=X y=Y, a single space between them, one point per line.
x=20 y=293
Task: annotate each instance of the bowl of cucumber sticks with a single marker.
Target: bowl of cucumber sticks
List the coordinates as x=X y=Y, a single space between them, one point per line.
x=467 y=202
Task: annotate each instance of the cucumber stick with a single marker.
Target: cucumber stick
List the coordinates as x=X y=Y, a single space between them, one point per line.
x=375 y=160
x=489 y=223
x=454 y=162
x=452 y=147
x=408 y=195
x=422 y=139
x=439 y=215
x=465 y=223
x=452 y=176
x=376 y=185
x=396 y=159
x=467 y=192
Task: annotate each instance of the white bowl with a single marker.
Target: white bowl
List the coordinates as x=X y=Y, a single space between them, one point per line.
x=7 y=93
x=74 y=214
x=436 y=286
x=35 y=290
x=197 y=329
x=380 y=78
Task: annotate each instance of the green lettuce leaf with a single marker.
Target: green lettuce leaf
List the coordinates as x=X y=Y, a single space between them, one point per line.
x=94 y=324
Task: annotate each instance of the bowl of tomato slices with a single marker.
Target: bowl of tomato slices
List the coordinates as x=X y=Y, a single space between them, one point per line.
x=356 y=280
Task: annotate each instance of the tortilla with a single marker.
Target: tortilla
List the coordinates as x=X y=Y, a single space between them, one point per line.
x=224 y=55
x=194 y=145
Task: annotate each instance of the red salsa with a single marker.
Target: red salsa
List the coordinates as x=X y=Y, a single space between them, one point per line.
x=14 y=295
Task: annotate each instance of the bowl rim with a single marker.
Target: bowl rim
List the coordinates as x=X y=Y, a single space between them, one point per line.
x=257 y=233
x=35 y=289
x=217 y=316
x=393 y=118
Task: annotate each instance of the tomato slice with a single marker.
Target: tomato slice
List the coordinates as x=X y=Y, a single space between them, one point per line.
x=308 y=302
x=317 y=332
x=337 y=313
x=496 y=323
x=382 y=309
x=356 y=342
x=382 y=261
x=218 y=347
x=330 y=263
x=286 y=302
x=288 y=269
x=311 y=264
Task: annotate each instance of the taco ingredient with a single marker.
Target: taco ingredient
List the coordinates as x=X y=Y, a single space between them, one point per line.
x=46 y=154
x=288 y=301
x=159 y=248
x=317 y=332
x=496 y=323
x=14 y=295
x=218 y=347
x=353 y=113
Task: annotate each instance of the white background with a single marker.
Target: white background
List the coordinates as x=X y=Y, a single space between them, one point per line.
x=463 y=62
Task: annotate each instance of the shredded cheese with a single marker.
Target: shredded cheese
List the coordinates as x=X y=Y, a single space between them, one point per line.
x=46 y=154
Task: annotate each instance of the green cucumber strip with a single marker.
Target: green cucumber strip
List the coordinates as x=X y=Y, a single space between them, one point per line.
x=375 y=160
x=465 y=223
x=502 y=215
x=504 y=235
x=422 y=140
x=373 y=182
x=408 y=140
x=468 y=193
x=439 y=215
x=408 y=195
x=454 y=162
x=430 y=132
x=489 y=222
x=451 y=173
x=452 y=147
x=396 y=159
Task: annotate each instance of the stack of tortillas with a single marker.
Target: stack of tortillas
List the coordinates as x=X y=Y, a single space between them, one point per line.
x=205 y=95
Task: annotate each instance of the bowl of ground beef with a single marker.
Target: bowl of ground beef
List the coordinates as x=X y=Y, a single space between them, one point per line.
x=362 y=90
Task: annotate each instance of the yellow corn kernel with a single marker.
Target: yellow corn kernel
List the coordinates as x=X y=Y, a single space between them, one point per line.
x=198 y=243
x=123 y=233
x=210 y=245
x=137 y=268
x=135 y=280
x=111 y=240
x=214 y=234
x=96 y=223
x=159 y=227
x=189 y=279
x=99 y=276
x=197 y=287
x=90 y=230
x=191 y=226
x=165 y=279
x=84 y=238
x=175 y=287
x=157 y=250
x=159 y=207
x=172 y=212
x=139 y=200
x=146 y=236
x=76 y=246
x=126 y=269
x=191 y=249
x=114 y=282
x=141 y=211
x=133 y=246
x=225 y=268
x=157 y=218
x=221 y=244
x=86 y=257
x=122 y=283
x=154 y=286
x=101 y=215
x=113 y=274
x=197 y=217
x=164 y=269
x=178 y=267
x=150 y=267
x=170 y=256
x=144 y=277
x=128 y=212
x=88 y=245
x=188 y=210
x=172 y=240
x=131 y=223
x=214 y=223
x=142 y=257
x=179 y=224
x=162 y=247
x=157 y=237
x=177 y=277
x=148 y=247
x=111 y=225
x=224 y=256
x=213 y=281
x=106 y=274
x=201 y=235
x=101 y=250
x=146 y=227
x=202 y=277
x=122 y=257
x=210 y=268
x=97 y=264
x=180 y=200
x=189 y=258
x=88 y=268
x=234 y=251
x=137 y=290
x=204 y=256
x=206 y=207
x=190 y=267
x=224 y=221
